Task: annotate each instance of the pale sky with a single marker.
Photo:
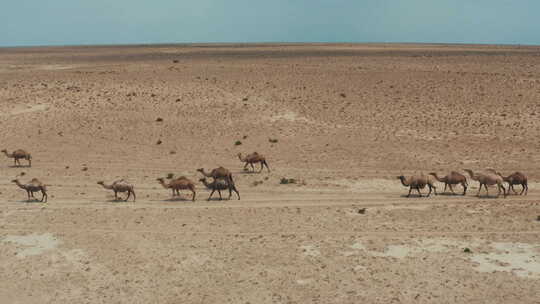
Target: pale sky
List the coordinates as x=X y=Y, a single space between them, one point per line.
x=73 y=22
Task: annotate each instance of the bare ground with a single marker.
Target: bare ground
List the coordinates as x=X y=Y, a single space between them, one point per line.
x=347 y=119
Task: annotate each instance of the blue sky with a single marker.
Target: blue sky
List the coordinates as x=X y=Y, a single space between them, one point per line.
x=61 y=22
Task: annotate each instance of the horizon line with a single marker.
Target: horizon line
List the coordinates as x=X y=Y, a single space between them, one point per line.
x=267 y=43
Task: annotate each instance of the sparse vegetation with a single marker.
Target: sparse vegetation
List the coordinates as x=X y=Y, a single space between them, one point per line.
x=159 y=142
x=159 y=119
x=237 y=143
x=467 y=250
x=170 y=175
x=285 y=181
x=273 y=140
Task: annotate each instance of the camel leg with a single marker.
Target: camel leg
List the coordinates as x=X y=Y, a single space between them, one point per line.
x=193 y=199
x=262 y=167
x=513 y=190
x=410 y=189
x=464 y=188
x=419 y=193
x=115 y=195
x=522 y=190
x=451 y=189
x=128 y=196
x=44 y=196
x=252 y=167
x=487 y=191
x=219 y=192
x=479 y=189
x=266 y=164
x=211 y=193
x=133 y=192
x=29 y=162
x=230 y=192
x=237 y=193
x=28 y=193
x=434 y=189
x=445 y=185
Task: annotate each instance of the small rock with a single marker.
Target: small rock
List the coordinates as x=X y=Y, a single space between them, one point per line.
x=467 y=250
x=362 y=211
x=159 y=119
x=159 y=142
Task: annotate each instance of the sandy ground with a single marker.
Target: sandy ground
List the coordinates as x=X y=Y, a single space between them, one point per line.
x=347 y=120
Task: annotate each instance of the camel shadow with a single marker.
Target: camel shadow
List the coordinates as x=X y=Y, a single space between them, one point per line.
x=485 y=196
x=450 y=194
x=178 y=199
x=415 y=196
x=116 y=200
x=31 y=201
x=19 y=166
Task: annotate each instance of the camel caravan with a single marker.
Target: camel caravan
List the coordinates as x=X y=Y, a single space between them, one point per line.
x=222 y=179
x=490 y=178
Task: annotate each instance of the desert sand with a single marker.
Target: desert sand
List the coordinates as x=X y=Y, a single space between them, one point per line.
x=347 y=119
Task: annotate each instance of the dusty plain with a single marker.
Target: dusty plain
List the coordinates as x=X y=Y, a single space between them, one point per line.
x=347 y=119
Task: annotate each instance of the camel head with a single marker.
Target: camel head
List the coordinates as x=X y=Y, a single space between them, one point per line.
x=432 y=173
x=100 y=182
x=200 y=169
x=14 y=180
x=160 y=179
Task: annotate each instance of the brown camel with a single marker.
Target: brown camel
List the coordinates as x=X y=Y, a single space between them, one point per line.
x=120 y=186
x=218 y=173
x=487 y=180
x=34 y=185
x=17 y=155
x=454 y=178
x=178 y=184
x=220 y=184
x=418 y=182
x=254 y=158
x=516 y=178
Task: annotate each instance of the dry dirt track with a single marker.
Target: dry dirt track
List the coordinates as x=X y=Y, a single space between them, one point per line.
x=348 y=119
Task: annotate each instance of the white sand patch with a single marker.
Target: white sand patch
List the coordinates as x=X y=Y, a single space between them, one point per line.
x=55 y=67
x=304 y=281
x=521 y=259
x=24 y=109
x=33 y=244
x=310 y=250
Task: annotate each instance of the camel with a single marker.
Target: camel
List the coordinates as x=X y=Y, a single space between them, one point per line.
x=220 y=184
x=516 y=178
x=454 y=178
x=254 y=158
x=178 y=184
x=120 y=186
x=34 y=185
x=418 y=182
x=218 y=173
x=487 y=180
x=17 y=155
